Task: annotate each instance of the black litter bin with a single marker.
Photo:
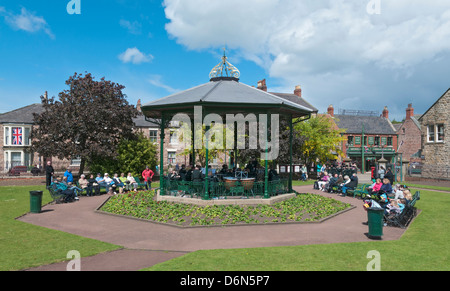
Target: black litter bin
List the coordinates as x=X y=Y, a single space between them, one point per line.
x=375 y=222
x=35 y=201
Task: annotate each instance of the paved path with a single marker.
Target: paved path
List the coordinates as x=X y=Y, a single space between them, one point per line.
x=146 y=244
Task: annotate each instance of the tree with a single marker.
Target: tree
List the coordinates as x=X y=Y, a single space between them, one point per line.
x=321 y=139
x=133 y=154
x=87 y=122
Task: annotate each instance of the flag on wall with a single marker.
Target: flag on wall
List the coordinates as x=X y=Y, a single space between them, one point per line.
x=17 y=135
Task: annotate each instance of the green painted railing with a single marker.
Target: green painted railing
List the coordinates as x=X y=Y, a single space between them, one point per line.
x=224 y=189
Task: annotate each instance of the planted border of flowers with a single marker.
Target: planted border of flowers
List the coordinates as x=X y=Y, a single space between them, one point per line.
x=301 y=208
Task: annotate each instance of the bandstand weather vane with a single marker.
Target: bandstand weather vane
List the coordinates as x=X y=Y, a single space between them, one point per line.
x=224 y=69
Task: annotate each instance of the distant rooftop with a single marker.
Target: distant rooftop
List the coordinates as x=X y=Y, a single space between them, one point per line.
x=356 y=112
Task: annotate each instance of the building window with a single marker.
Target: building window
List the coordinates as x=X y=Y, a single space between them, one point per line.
x=26 y=136
x=75 y=162
x=377 y=141
x=350 y=140
x=154 y=135
x=17 y=136
x=17 y=158
x=7 y=136
x=172 y=158
x=440 y=133
x=173 y=137
x=430 y=133
x=389 y=141
x=435 y=133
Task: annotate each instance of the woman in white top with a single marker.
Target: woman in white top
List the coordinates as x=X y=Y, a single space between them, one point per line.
x=132 y=182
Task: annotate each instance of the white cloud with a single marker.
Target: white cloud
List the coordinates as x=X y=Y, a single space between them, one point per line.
x=156 y=80
x=133 y=55
x=132 y=27
x=327 y=44
x=27 y=21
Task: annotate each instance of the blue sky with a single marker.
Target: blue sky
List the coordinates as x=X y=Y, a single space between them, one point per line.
x=340 y=51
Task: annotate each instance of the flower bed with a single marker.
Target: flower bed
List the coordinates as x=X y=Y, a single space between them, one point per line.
x=301 y=208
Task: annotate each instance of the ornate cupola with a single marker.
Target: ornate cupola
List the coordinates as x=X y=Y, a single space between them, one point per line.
x=224 y=71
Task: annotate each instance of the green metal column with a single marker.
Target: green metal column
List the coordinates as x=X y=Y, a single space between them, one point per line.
x=362 y=152
x=193 y=142
x=266 y=162
x=291 y=138
x=161 y=157
x=206 y=193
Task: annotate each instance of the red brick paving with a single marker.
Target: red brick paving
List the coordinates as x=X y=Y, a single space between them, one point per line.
x=146 y=244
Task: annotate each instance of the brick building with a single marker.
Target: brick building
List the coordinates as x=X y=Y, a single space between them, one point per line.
x=367 y=137
x=15 y=143
x=409 y=134
x=436 y=140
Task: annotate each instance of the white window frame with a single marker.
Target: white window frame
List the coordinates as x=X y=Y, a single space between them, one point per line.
x=433 y=133
x=7 y=135
x=437 y=132
x=8 y=160
x=75 y=162
x=150 y=135
x=430 y=134
x=173 y=136
x=174 y=158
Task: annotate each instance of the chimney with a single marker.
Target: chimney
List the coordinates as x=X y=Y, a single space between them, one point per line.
x=385 y=112
x=298 y=91
x=138 y=106
x=331 y=110
x=46 y=95
x=262 y=85
x=409 y=112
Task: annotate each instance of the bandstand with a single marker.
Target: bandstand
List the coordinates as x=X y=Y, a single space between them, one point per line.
x=206 y=108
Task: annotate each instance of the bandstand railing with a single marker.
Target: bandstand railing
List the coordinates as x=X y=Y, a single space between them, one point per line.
x=234 y=188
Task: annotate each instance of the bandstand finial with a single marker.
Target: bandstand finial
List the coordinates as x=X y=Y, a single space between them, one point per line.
x=224 y=69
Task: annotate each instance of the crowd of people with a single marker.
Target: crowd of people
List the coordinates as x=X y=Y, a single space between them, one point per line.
x=91 y=185
x=198 y=173
x=391 y=198
x=337 y=183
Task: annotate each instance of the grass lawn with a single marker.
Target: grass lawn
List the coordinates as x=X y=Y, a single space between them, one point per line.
x=424 y=247
x=24 y=245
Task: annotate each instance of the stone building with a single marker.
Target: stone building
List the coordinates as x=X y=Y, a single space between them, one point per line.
x=436 y=140
x=174 y=145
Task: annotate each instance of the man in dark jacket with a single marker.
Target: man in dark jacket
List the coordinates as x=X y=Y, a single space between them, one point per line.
x=49 y=173
x=197 y=175
x=389 y=175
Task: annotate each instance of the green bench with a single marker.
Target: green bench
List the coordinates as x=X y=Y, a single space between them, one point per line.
x=140 y=185
x=403 y=219
x=359 y=190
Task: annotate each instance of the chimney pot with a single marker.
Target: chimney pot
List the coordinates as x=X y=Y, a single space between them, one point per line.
x=331 y=110
x=409 y=112
x=262 y=85
x=385 y=112
x=298 y=91
x=138 y=106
